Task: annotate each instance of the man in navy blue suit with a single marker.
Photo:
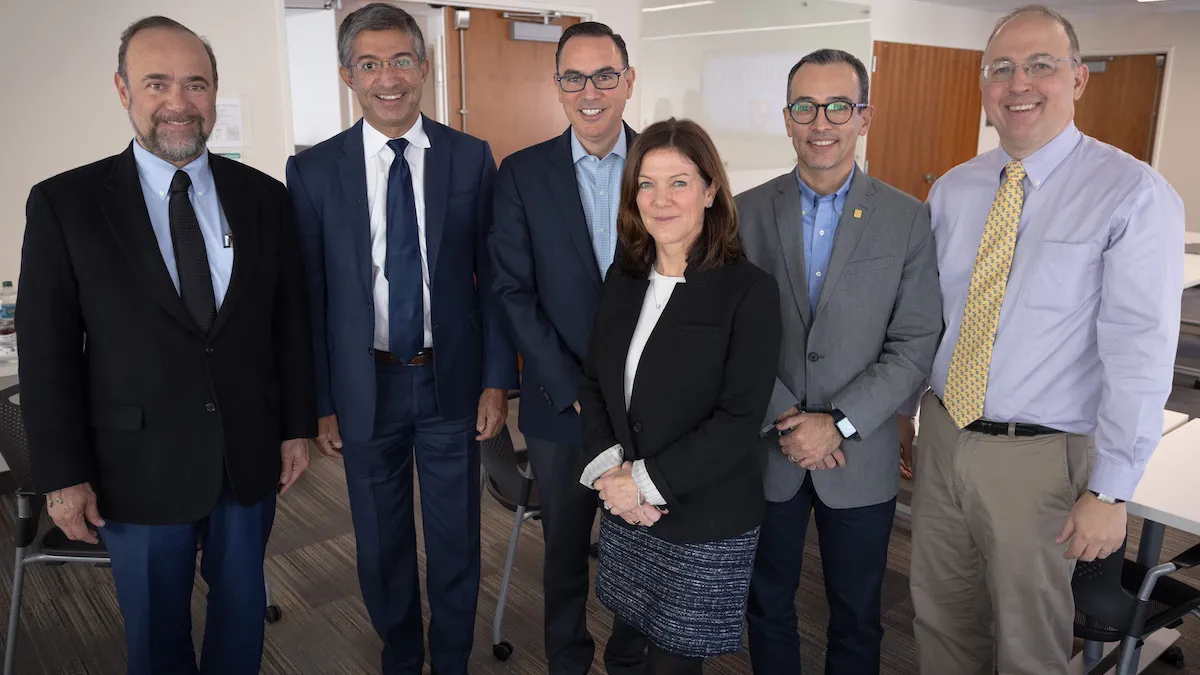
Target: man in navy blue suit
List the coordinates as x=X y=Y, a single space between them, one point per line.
x=554 y=239
x=411 y=357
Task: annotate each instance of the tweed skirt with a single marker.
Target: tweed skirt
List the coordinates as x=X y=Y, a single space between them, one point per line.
x=687 y=599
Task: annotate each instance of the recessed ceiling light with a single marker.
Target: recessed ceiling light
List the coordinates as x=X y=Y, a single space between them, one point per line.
x=683 y=5
x=1149 y=0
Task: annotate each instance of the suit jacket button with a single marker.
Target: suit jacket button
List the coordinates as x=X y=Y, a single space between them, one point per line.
x=637 y=427
x=208 y=350
x=210 y=407
x=812 y=356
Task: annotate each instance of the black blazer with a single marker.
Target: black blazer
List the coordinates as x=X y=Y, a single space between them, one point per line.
x=703 y=383
x=547 y=281
x=119 y=387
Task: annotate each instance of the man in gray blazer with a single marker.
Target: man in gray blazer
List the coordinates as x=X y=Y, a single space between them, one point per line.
x=861 y=309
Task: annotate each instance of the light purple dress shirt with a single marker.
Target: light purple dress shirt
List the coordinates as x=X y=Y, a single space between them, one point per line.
x=1090 y=319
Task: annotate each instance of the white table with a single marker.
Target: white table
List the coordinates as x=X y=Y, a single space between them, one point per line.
x=1191 y=270
x=1191 y=237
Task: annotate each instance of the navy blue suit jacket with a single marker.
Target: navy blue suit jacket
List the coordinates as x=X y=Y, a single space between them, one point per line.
x=472 y=351
x=547 y=281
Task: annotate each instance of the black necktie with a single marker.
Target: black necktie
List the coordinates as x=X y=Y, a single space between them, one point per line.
x=191 y=258
x=406 y=315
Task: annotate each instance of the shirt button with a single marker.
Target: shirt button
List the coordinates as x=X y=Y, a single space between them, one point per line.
x=602 y=193
x=821 y=232
x=210 y=407
x=818 y=274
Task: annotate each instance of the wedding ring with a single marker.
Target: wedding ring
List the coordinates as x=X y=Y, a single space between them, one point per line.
x=793 y=458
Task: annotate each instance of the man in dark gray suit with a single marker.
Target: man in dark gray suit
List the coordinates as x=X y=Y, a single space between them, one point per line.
x=861 y=308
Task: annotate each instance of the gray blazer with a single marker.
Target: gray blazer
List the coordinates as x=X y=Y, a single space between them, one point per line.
x=870 y=343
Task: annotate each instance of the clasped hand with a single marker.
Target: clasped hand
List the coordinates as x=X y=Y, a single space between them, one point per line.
x=619 y=492
x=812 y=440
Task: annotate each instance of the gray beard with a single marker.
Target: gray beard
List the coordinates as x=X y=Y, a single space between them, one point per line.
x=159 y=146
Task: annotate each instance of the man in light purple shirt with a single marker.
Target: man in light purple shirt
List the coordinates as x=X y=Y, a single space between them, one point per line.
x=1011 y=494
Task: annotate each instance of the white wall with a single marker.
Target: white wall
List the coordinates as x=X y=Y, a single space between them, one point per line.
x=313 y=72
x=61 y=109
x=1177 y=144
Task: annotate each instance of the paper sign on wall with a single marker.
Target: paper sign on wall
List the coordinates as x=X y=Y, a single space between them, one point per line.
x=229 y=130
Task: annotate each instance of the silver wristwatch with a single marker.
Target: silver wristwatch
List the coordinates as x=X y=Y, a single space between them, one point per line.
x=1107 y=499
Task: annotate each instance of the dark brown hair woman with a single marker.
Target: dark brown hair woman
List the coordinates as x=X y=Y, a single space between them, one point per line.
x=677 y=379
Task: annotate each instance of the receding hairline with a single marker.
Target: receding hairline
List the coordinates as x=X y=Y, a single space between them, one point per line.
x=133 y=39
x=1037 y=12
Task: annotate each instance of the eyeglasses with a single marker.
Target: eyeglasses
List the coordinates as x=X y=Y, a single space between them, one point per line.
x=375 y=68
x=574 y=82
x=837 y=112
x=1038 y=67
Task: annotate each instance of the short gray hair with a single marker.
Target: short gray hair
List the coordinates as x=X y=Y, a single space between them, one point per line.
x=377 y=16
x=1043 y=11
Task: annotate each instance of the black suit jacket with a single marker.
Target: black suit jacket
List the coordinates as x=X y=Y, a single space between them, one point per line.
x=119 y=387
x=703 y=383
x=547 y=280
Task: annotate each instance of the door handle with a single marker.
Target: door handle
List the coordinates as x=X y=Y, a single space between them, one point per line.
x=929 y=178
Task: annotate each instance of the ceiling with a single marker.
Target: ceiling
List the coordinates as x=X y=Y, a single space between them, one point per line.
x=1084 y=7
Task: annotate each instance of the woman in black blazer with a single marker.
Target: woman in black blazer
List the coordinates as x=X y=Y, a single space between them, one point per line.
x=676 y=383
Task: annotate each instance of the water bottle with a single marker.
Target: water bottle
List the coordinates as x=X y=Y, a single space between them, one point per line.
x=8 y=319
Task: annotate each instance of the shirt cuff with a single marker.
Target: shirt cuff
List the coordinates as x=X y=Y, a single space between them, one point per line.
x=1114 y=479
x=646 y=486
x=609 y=459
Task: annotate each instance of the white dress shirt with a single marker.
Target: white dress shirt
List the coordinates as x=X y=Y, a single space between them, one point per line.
x=379 y=156
x=657 y=296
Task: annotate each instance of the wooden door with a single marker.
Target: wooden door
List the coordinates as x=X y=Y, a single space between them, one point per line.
x=927 y=114
x=1120 y=104
x=512 y=98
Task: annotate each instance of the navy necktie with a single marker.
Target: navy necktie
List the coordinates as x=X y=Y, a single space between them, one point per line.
x=406 y=317
x=191 y=258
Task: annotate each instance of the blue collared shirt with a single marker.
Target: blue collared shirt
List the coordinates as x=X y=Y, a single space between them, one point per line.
x=156 y=175
x=599 y=182
x=820 y=220
x=1090 y=319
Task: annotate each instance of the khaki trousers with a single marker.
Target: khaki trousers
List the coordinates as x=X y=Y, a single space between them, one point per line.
x=990 y=588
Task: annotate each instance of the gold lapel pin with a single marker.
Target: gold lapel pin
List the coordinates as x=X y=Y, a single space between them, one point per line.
x=858 y=213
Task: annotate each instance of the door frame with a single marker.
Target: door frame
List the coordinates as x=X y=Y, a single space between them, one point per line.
x=1160 y=115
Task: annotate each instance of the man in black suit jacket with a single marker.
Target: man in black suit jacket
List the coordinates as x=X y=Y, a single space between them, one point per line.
x=166 y=360
x=553 y=240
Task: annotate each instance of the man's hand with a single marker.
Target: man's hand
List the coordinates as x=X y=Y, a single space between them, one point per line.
x=908 y=432
x=1095 y=529
x=812 y=441
x=72 y=509
x=328 y=440
x=493 y=413
x=295 y=461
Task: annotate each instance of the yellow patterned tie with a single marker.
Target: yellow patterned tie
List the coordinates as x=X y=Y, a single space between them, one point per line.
x=966 y=383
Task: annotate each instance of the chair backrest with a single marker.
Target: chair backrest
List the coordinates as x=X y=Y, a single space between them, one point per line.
x=13 y=445
x=1099 y=592
x=505 y=471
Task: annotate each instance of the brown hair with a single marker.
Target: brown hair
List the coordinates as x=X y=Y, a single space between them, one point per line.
x=718 y=241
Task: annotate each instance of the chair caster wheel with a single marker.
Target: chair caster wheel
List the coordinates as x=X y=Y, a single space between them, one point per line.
x=274 y=614
x=502 y=651
x=1173 y=657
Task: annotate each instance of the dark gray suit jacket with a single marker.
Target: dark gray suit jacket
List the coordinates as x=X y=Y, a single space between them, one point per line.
x=869 y=344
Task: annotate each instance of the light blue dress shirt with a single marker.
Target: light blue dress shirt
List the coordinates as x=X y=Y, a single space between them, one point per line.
x=599 y=182
x=1090 y=320
x=820 y=220
x=155 y=175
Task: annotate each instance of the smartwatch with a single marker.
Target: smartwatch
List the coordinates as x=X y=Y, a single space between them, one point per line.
x=1107 y=499
x=844 y=427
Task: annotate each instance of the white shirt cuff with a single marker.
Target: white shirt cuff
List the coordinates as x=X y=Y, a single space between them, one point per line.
x=645 y=485
x=609 y=459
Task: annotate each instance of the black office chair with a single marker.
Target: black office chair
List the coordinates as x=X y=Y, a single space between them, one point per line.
x=508 y=478
x=54 y=547
x=1119 y=600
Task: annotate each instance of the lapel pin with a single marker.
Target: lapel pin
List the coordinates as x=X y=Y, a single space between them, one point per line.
x=229 y=240
x=858 y=213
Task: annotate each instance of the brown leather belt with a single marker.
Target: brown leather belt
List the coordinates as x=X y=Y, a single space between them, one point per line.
x=423 y=357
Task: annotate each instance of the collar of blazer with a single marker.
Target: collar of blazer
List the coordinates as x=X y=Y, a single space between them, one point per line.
x=352 y=170
x=856 y=215
x=124 y=208
x=560 y=174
